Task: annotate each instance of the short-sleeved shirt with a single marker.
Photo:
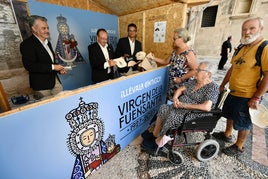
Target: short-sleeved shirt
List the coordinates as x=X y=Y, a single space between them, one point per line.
x=245 y=74
x=173 y=117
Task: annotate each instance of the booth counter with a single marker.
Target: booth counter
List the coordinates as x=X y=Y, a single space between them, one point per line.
x=76 y=132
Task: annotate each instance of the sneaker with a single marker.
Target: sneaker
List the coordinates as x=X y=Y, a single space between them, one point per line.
x=221 y=136
x=233 y=150
x=148 y=135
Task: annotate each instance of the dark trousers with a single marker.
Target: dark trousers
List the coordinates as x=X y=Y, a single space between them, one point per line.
x=222 y=62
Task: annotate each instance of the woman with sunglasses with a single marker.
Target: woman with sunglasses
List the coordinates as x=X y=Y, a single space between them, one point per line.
x=182 y=61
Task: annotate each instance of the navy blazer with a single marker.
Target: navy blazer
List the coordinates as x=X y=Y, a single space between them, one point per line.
x=37 y=61
x=97 y=60
x=123 y=47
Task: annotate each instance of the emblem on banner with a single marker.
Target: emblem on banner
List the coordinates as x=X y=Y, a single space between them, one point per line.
x=66 y=50
x=86 y=140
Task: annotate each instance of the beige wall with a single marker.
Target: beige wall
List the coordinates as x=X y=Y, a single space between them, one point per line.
x=175 y=16
x=207 y=41
x=13 y=76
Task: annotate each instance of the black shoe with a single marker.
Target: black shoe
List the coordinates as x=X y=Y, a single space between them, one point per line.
x=221 y=136
x=233 y=151
x=149 y=145
x=148 y=135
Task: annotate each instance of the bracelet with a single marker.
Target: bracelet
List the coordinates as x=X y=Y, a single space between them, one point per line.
x=256 y=98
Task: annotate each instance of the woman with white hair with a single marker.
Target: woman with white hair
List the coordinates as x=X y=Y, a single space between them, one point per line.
x=198 y=94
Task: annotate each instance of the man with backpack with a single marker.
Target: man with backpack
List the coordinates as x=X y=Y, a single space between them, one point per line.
x=248 y=81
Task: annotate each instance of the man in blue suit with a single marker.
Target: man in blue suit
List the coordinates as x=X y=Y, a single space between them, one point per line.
x=38 y=60
x=127 y=47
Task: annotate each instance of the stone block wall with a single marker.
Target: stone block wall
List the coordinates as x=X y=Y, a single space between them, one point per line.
x=13 y=76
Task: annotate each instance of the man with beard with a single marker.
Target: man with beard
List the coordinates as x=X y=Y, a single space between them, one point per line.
x=243 y=77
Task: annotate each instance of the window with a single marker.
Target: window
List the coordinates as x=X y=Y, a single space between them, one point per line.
x=209 y=16
x=243 y=6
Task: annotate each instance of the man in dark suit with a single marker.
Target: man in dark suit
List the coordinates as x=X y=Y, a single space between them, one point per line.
x=100 y=57
x=127 y=47
x=38 y=60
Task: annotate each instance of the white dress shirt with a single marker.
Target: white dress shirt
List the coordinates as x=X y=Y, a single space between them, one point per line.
x=106 y=55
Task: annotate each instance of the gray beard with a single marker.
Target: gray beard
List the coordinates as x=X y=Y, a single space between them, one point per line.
x=250 y=39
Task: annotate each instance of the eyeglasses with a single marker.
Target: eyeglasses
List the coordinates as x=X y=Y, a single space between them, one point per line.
x=198 y=70
x=174 y=39
x=132 y=30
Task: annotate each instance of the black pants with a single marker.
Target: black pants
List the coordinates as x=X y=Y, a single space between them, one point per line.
x=222 y=62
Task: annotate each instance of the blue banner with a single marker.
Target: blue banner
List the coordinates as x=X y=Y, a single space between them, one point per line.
x=71 y=31
x=74 y=135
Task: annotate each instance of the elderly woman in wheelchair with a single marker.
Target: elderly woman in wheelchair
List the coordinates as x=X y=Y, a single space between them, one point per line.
x=199 y=95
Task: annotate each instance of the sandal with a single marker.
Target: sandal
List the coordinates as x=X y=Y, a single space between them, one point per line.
x=221 y=136
x=233 y=150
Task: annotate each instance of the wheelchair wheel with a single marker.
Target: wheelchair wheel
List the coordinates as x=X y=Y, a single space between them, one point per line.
x=207 y=150
x=175 y=157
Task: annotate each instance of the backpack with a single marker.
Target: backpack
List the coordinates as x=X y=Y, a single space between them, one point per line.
x=257 y=55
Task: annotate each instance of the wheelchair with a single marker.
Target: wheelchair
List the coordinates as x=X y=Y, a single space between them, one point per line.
x=208 y=148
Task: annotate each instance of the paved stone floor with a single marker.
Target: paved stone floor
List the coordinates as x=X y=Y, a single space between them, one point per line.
x=133 y=163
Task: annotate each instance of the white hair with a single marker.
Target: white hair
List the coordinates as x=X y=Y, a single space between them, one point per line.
x=211 y=67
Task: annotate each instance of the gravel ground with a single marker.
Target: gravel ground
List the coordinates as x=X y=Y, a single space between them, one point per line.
x=132 y=163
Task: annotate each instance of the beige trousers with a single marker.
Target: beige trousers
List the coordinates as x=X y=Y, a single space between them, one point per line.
x=44 y=94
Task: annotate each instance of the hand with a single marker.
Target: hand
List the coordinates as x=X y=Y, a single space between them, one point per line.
x=221 y=88
x=252 y=103
x=178 y=104
x=111 y=63
x=175 y=102
x=58 y=67
x=63 y=71
x=125 y=55
x=152 y=57
x=177 y=80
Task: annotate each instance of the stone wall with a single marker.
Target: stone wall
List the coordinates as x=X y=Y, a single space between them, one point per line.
x=208 y=40
x=13 y=76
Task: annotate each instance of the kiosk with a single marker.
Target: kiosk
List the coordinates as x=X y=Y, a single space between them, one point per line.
x=75 y=133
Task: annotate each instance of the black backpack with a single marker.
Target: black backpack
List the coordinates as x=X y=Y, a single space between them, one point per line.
x=257 y=55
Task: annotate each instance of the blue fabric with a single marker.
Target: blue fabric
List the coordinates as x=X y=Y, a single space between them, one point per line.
x=236 y=109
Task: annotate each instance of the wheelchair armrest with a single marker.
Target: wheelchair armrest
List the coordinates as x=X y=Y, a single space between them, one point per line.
x=212 y=111
x=215 y=111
